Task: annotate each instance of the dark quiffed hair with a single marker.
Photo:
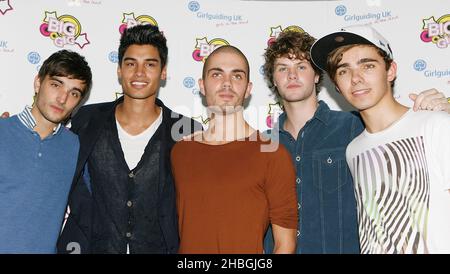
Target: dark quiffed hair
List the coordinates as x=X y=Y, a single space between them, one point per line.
x=289 y=43
x=65 y=63
x=144 y=35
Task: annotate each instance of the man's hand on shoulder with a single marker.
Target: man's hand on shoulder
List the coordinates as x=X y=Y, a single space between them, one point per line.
x=430 y=99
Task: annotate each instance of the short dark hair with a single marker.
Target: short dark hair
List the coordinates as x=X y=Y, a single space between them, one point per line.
x=144 y=35
x=227 y=48
x=68 y=64
x=289 y=43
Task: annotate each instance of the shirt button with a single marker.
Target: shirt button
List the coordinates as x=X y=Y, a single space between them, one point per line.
x=128 y=234
x=297 y=158
x=129 y=203
x=131 y=174
x=298 y=180
x=39 y=154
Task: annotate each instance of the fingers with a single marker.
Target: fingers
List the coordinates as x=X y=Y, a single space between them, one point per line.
x=427 y=99
x=5 y=115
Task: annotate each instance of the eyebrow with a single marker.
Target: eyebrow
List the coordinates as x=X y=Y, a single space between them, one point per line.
x=62 y=83
x=134 y=59
x=234 y=70
x=361 y=61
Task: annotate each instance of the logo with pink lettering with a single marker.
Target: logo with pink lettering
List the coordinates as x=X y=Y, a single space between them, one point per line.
x=63 y=30
x=436 y=31
x=203 y=47
x=275 y=31
x=130 y=20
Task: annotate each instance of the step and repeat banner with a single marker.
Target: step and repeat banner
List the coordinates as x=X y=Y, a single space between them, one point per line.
x=419 y=33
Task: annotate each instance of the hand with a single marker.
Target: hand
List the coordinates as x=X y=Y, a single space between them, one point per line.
x=430 y=99
x=5 y=115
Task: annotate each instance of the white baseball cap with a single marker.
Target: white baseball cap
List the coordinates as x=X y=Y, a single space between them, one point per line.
x=358 y=34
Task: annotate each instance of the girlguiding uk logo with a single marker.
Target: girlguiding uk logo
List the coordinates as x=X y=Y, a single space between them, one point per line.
x=63 y=30
x=130 y=20
x=340 y=10
x=420 y=65
x=193 y=6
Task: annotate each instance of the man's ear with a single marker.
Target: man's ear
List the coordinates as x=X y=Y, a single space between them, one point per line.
x=201 y=85
x=392 y=72
x=119 y=74
x=164 y=73
x=37 y=84
x=249 y=89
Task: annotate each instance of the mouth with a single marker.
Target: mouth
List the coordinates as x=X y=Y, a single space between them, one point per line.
x=293 y=86
x=57 y=109
x=138 y=84
x=359 y=92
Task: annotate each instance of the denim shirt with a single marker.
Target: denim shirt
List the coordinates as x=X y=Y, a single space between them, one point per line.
x=327 y=206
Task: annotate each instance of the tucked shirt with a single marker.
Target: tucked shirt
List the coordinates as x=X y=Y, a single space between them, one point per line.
x=228 y=194
x=35 y=180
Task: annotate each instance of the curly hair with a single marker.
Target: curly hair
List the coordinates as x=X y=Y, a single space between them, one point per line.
x=289 y=43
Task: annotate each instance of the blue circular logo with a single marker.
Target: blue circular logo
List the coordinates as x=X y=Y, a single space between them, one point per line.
x=420 y=65
x=113 y=57
x=189 y=82
x=34 y=57
x=340 y=10
x=194 y=6
x=261 y=70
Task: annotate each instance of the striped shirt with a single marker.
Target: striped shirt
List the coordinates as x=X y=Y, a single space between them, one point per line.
x=402 y=179
x=27 y=118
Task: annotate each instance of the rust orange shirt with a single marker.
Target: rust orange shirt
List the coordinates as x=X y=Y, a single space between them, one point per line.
x=228 y=194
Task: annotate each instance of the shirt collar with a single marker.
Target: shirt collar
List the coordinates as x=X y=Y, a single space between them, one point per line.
x=322 y=114
x=27 y=118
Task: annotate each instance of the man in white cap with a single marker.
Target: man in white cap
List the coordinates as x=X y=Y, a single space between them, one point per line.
x=400 y=162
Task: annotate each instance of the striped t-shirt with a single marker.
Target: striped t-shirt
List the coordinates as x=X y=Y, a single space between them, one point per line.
x=402 y=182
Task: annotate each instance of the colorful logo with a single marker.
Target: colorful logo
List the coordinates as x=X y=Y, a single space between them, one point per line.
x=203 y=48
x=33 y=57
x=420 y=65
x=436 y=31
x=63 y=30
x=193 y=6
x=275 y=110
x=130 y=20
x=275 y=31
x=5 y=6
x=340 y=10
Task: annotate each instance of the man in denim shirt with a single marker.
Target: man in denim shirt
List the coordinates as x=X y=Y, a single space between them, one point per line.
x=317 y=138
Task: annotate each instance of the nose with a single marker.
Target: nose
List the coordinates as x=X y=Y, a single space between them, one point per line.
x=62 y=97
x=139 y=70
x=226 y=81
x=356 y=77
x=292 y=74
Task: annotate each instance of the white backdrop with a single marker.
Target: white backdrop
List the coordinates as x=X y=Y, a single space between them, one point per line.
x=31 y=30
